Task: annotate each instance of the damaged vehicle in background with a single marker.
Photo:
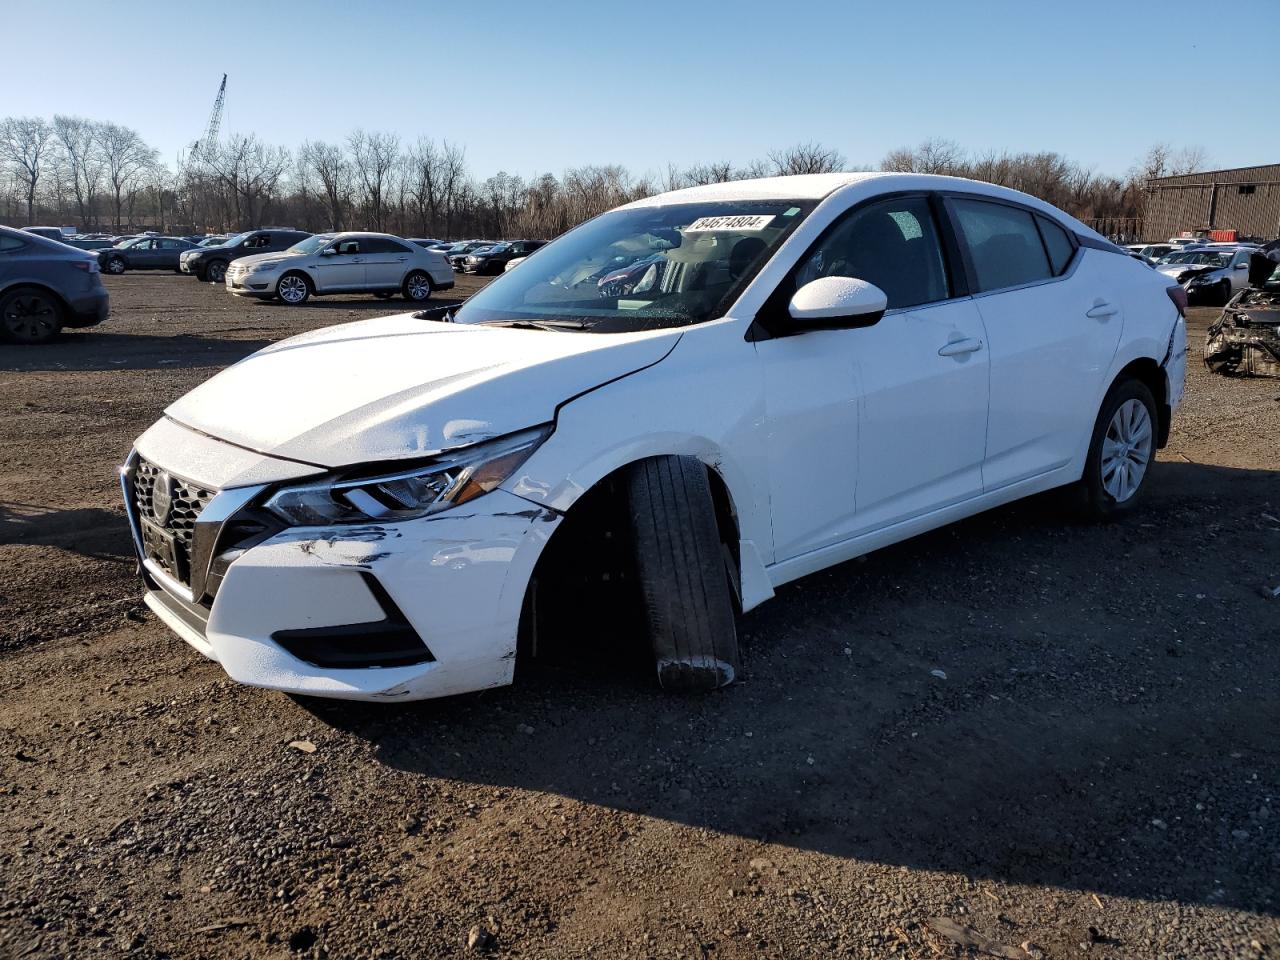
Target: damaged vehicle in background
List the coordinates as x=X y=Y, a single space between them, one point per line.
x=822 y=366
x=1245 y=340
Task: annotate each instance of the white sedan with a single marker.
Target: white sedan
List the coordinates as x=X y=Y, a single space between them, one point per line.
x=780 y=375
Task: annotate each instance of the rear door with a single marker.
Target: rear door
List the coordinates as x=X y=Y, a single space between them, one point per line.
x=1053 y=320
x=385 y=262
x=168 y=251
x=143 y=255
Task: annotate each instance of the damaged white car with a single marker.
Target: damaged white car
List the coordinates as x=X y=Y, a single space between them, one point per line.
x=797 y=371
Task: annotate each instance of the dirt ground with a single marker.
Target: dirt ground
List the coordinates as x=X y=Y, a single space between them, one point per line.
x=1054 y=733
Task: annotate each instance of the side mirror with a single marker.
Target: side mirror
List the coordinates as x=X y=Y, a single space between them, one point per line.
x=328 y=252
x=837 y=302
x=1242 y=266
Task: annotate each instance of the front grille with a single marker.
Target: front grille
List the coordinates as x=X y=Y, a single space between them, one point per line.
x=176 y=525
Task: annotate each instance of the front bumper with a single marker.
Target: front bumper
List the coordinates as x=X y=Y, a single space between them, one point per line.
x=282 y=607
x=249 y=284
x=184 y=266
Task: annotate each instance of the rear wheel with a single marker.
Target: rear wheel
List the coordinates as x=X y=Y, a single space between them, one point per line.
x=1122 y=450
x=681 y=565
x=417 y=287
x=293 y=289
x=29 y=316
x=216 y=272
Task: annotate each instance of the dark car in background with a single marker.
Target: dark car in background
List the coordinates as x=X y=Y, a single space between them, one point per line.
x=457 y=253
x=210 y=263
x=49 y=233
x=144 y=253
x=494 y=259
x=45 y=286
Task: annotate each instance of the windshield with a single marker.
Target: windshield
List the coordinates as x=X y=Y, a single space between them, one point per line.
x=641 y=268
x=311 y=244
x=212 y=242
x=238 y=239
x=1211 y=258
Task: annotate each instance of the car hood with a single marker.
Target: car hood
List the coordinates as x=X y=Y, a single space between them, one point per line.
x=253 y=258
x=400 y=387
x=1177 y=269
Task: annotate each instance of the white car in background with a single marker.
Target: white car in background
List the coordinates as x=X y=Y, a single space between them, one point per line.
x=804 y=370
x=348 y=262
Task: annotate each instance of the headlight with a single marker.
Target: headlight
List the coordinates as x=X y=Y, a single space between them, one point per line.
x=262 y=267
x=446 y=481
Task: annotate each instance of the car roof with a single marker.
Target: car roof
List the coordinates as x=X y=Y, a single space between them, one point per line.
x=818 y=186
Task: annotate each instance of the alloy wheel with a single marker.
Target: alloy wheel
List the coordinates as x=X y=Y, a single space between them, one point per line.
x=115 y=265
x=1126 y=450
x=418 y=287
x=292 y=289
x=217 y=271
x=30 y=318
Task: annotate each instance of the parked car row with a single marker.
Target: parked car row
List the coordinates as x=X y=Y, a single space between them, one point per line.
x=485 y=256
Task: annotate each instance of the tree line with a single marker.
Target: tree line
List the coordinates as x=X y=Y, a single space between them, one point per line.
x=102 y=176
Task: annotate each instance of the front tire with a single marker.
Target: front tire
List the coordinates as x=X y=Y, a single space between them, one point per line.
x=116 y=265
x=1122 y=451
x=680 y=563
x=215 y=272
x=293 y=289
x=417 y=287
x=29 y=316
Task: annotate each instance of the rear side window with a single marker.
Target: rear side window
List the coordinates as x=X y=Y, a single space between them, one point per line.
x=10 y=243
x=1004 y=244
x=1057 y=243
x=382 y=245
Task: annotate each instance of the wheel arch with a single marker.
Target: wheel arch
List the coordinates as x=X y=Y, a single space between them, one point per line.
x=37 y=285
x=1149 y=372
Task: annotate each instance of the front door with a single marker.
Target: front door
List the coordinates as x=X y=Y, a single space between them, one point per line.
x=872 y=426
x=341 y=270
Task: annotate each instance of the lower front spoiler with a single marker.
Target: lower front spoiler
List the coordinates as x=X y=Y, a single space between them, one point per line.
x=457 y=580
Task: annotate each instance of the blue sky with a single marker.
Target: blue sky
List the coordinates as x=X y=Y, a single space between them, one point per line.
x=540 y=86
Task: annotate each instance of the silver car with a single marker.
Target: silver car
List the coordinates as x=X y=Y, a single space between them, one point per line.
x=375 y=263
x=1213 y=273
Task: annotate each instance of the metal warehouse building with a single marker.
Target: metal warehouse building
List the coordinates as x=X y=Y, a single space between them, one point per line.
x=1246 y=199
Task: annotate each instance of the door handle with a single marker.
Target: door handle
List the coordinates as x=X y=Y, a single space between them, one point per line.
x=402 y=259
x=957 y=348
x=1101 y=310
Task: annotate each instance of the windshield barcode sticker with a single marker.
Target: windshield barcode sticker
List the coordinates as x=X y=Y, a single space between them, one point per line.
x=743 y=224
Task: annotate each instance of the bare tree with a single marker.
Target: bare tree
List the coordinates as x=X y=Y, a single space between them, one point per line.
x=373 y=157
x=251 y=172
x=84 y=162
x=331 y=168
x=126 y=158
x=24 y=141
x=809 y=157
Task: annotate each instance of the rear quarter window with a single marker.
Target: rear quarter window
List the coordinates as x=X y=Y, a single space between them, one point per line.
x=1058 y=245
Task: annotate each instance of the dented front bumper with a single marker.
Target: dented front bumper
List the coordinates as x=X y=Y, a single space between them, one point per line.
x=398 y=611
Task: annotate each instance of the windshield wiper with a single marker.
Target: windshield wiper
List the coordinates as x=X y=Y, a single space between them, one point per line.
x=538 y=324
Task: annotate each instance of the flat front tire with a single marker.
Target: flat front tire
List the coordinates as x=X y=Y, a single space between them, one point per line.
x=1122 y=450
x=680 y=564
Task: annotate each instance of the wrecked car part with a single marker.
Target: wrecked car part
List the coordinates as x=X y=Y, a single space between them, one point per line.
x=1245 y=340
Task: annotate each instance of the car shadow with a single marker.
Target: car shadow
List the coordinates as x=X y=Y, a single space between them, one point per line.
x=1021 y=697
x=89 y=531
x=93 y=350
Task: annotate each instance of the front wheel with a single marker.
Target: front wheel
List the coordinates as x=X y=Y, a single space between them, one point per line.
x=1122 y=450
x=115 y=265
x=293 y=289
x=417 y=287
x=29 y=316
x=216 y=272
x=683 y=572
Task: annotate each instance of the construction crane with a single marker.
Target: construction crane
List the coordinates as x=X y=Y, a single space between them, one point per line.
x=203 y=148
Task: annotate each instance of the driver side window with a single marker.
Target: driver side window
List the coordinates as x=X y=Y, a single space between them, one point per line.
x=893 y=244
x=349 y=247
